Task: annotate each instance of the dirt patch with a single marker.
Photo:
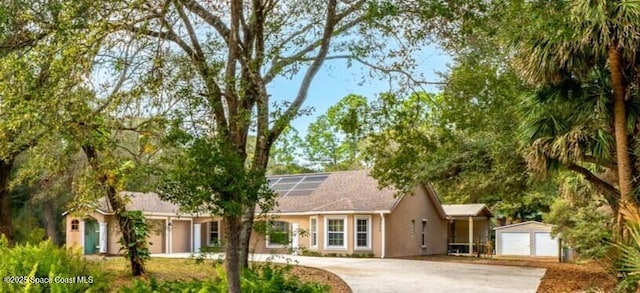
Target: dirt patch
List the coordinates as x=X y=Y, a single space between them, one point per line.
x=309 y=274
x=559 y=277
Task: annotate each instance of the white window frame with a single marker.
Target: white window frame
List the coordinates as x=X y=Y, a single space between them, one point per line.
x=209 y=232
x=268 y=243
x=344 y=233
x=313 y=232
x=355 y=232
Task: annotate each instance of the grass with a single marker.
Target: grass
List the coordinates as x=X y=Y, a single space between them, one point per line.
x=170 y=269
x=160 y=268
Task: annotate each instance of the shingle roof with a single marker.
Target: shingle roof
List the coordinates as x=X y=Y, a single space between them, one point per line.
x=145 y=202
x=460 y=210
x=341 y=191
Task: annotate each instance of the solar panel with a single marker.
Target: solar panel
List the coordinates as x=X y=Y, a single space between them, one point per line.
x=303 y=192
x=317 y=178
x=301 y=185
x=290 y=179
x=283 y=186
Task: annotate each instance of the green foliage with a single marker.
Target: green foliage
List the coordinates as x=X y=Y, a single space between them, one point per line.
x=27 y=231
x=587 y=229
x=627 y=260
x=285 y=154
x=136 y=221
x=49 y=268
x=334 y=140
x=262 y=278
x=211 y=175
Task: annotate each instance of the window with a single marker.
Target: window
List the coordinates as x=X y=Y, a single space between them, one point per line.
x=214 y=233
x=75 y=225
x=424 y=230
x=362 y=231
x=278 y=234
x=336 y=232
x=313 y=227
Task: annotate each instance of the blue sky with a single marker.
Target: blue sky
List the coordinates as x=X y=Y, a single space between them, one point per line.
x=336 y=80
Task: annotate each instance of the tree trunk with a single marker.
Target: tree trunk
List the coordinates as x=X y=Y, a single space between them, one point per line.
x=233 y=230
x=625 y=177
x=245 y=236
x=6 y=225
x=49 y=221
x=126 y=226
x=128 y=235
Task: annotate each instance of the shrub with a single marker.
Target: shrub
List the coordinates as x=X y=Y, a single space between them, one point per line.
x=587 y=228
x=46 y=268
x=262 y=278
x=627 y=258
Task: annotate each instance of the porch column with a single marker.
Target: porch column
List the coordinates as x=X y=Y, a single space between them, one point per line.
x=384 y=236
x=169 y=235
x=103 y=238
x=295 y=245
x=470 y=235
x=197 y=233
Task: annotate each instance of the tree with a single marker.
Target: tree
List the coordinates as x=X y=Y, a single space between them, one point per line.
x=36 y=76
x=462 y=142
x=227 y=54
x=285 y=154
x=581 y=36
x=333 y=140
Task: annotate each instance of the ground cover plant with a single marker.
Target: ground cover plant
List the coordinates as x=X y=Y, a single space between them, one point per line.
x=44 y=267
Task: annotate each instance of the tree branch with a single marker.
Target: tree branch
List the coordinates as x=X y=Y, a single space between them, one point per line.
x=611 y=194
x=209 y=18
x=292 y=111
x=192 y=34
x=283 y=62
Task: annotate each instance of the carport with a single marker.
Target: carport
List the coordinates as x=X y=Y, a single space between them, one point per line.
x=526 y=239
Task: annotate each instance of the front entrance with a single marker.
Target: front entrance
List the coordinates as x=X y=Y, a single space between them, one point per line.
x=91 y=233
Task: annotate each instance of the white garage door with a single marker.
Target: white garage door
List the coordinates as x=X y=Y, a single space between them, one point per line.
x=545 y=245
x=515 y=243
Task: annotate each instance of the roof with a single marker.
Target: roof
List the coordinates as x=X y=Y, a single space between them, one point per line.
x=337 y=191
x=467 y=210
x=343 y=191
x=146 y=202
x=522 y=224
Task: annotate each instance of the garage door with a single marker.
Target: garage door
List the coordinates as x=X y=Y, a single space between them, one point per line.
x=515 y=243
x=156 y=236
x=545 y=245
x=180 y=236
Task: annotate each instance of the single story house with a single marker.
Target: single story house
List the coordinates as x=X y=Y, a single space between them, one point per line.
x=530 y=238
x=339 y=213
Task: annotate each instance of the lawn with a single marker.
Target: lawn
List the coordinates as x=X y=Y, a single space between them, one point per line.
x=560 y=277
x=188 y=269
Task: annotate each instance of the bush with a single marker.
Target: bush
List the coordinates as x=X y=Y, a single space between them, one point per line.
x=627 y=258
x=263 y=278
x=587 y=229
x=46 y=268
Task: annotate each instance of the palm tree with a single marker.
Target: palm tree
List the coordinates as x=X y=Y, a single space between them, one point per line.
x=567 y=39
x=569 y=125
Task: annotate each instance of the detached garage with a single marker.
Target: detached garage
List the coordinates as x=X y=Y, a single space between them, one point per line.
x=526 y=239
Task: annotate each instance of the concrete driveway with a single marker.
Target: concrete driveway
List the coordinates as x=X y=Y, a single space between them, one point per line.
x=398 y=275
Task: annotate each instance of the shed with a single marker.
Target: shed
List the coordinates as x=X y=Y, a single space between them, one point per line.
x=530 y=238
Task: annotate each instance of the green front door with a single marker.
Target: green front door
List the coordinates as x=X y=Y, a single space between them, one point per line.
x=91 y=231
